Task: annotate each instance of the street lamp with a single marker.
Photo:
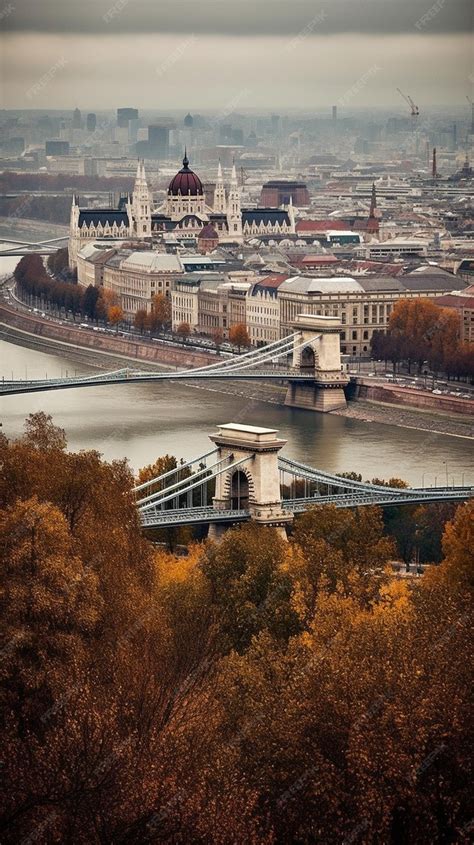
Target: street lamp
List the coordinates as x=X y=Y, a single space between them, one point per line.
x=447 y=479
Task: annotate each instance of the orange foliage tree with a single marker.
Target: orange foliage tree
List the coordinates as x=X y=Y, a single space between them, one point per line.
x=252 y=691
x=421 y=331
x=115 y=316
x=239 y=336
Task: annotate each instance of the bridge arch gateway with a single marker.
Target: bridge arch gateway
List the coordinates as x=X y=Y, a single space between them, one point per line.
x=252 y=482
x=317 y=354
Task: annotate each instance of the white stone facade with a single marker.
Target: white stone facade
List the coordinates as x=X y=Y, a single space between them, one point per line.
x=262 y=316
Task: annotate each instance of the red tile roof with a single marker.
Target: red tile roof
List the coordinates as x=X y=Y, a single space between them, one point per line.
x=450 y=300
x=320 y=225
x=273 y=281
x=319 y=259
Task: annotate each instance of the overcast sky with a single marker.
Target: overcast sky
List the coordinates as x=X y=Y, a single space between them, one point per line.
x=235 y=54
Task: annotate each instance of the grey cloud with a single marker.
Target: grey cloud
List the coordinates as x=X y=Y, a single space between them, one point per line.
x=239 y=17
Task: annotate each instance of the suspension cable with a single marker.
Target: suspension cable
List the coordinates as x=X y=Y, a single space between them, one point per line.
x=173 y=471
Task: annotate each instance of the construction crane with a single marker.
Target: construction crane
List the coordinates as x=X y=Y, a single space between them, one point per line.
x=415 y=111
x=243 y=176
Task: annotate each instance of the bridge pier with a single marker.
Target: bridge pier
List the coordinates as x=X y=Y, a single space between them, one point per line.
x=317 y=353
x=314 y=396
x=252 y=484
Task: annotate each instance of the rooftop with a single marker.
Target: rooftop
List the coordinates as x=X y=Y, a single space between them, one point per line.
x=152 y=262
x=336 y=284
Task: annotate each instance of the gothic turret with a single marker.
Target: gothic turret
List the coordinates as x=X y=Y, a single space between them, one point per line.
x=291 y=215
x=220 y=206
x=140 y=207
x=234 y=215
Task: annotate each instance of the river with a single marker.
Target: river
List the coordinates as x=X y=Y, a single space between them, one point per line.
x=141 y=422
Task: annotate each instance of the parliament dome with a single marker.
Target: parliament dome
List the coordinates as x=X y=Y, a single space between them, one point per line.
x=185 y=182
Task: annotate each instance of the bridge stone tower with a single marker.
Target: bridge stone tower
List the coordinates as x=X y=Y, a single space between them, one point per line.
x=253 y=486
x=320 y=359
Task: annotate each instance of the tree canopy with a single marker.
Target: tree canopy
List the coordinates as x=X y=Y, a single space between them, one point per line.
x=252 y=691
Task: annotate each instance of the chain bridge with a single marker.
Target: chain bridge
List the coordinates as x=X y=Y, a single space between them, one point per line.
x=245 y=478
x=309 y=359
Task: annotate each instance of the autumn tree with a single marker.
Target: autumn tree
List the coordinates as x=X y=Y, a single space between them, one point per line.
x=163 y=464
x=159 y=316
x=250 y=585
x=217 y=338
x=89 y=302
x=340 y=547
x=183 y=330
x=139 y=320
x=254 y=690
x=115 y=316
x=239 y=336
x=419 y=331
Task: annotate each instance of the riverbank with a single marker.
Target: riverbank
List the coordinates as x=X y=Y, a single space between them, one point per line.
x=406 y=417
x=29 y=328
x=29 y=229
x=106 y=352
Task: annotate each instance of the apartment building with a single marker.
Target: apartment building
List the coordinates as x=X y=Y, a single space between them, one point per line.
x=363 y=306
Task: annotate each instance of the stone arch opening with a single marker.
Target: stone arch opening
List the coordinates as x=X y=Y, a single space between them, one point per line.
x=239 y=491
x=308 y=358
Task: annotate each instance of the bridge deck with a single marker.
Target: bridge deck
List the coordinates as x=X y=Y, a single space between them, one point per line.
x=206 y=515
x=9 y=388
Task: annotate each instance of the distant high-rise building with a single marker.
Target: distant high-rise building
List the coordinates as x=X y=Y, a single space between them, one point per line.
x=14 y=146
x=280 y=192
x=238 y=137
x=334 y=113
x=188 y=121
x=125 y=115
x=159 y=141
x=57 y=148
x=225 y=133
x=91 y=122
x=76 y=119
x=276 y=124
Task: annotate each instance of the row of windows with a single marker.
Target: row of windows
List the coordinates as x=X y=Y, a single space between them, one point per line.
x=355 y=335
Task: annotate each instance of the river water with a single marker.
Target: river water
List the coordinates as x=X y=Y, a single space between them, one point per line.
x=142 y=421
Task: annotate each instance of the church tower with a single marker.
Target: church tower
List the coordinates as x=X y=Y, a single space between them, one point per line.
x=372 y=227
x=373 y=201
x=234 y=214
x=220 y=206
x=141 y=205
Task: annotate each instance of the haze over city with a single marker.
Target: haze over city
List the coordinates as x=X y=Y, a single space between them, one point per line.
x=269 y=53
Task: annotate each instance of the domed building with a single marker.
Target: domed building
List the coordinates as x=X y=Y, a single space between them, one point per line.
x=184 y=211
x=185 y=193
x=208 y=240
